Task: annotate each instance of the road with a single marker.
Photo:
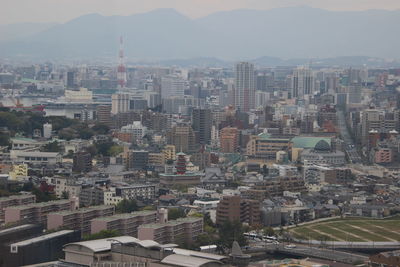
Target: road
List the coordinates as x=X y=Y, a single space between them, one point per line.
x=308 y=251
x=349 y=146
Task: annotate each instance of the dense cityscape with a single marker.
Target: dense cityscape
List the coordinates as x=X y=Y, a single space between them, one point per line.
x=153 y=165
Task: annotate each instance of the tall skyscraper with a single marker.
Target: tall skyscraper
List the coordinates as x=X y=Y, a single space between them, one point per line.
x=70 y=79
x=119 y=103
x=302 y=82
x=172 y=85
x=245 y=86
x=201 y=123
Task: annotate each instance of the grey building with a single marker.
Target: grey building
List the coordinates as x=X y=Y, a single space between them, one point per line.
x=201 y=123
x=91 y=196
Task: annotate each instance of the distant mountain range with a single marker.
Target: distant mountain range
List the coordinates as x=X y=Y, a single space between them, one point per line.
x=165 y=34
x=19 y=31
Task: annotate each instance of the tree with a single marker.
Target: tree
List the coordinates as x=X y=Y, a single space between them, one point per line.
x=85 y=132
x=229 y=232
x=126 y=206
x=67 y=134
x=4 y=139
x=175 y=213
x=101 y=128
x=268 y=231
x=101 y=234
x=115 y=150
x=52 y=147
x=103 y=148
x=43 y=196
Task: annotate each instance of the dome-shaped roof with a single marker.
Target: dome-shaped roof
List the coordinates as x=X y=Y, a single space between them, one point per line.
x=322 y=145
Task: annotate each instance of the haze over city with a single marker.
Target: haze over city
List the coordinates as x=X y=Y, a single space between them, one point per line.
x=199 y=133
x=63 y=10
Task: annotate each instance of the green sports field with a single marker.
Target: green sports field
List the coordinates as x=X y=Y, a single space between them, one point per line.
x=351 y=229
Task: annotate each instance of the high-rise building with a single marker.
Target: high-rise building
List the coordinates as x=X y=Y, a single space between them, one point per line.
x=245 y=86
x=172 y=85
x=70 y=79
x=201 y=123
x=104 y=114
x=302 y=82
x=183 y=138
x=119 y=103
x=370 y=120
x=229 y=140
x=234 y=208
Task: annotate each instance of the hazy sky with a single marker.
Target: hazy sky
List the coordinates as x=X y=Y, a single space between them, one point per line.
x=15 y=11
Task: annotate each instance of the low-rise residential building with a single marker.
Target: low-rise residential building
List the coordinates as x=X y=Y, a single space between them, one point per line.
x=66 y=185
x=22 y=143
x=36 y=212
x=77 y=219
x=176 y=231
x=17 y=200
x=125 y=224
x=136 y=192
x=35 y=157
x=110 y=198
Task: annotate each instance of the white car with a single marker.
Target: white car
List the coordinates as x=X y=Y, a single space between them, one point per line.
x=290 y=246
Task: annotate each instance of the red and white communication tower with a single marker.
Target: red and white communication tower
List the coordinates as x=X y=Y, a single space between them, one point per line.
x=121 y=73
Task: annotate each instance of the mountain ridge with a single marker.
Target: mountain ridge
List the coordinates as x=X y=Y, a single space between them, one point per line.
x=166 y=34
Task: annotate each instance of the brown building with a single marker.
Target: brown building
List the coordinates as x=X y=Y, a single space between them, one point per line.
x=125 y=118
x=327 y=113
x=77 y=219
x=339 y=176
x=14 y=201
x=104 y=114
x=266 y=146
x=124 y=137
x=385 y=259
x=229 y=140
x=82 y=162
x=177 y=231
x=156 y=160
x=125 y=224
x=172 y=180
x=234 y=208
x=155 y=121
x=183 y=138
x=275 y=187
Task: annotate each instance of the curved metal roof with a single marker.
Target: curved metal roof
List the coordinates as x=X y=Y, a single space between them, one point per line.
x=187 y=261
